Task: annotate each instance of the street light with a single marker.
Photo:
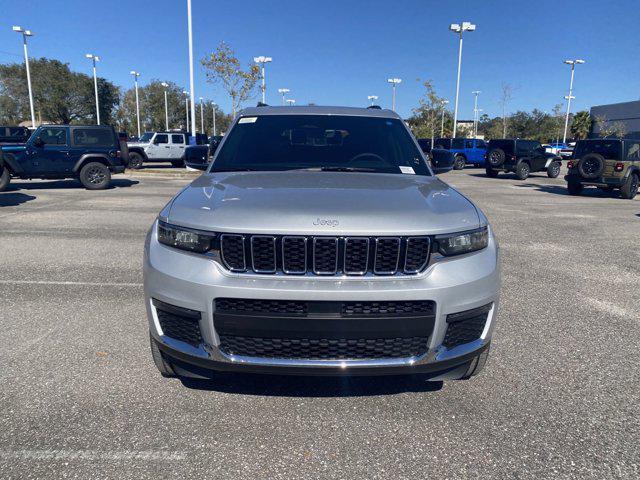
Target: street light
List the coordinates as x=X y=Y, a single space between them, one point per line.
x=394 y=83
x=166 y=106
x=475 y=113
x=371 y=98
x=459 y=29
x=95 y=59
x=569 y=97
x=475 y=135
x=283 y=92
x=135 y=81
x=262 y=61
x=25 y=34
x=202 y=115
x=186 y=107
x=213 y=106
x=191 y=84
x=291 y=102
x=443 y=103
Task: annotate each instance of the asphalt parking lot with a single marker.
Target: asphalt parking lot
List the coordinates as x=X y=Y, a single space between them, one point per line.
x=81 y=397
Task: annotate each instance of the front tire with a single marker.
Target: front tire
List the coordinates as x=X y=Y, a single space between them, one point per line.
x=164 y=367
x=523 y=170
x=95 y=176
x=491 y=173
x=459 y=162
x=553 y=170
x=5 y=178
x=135 y=160
x=630 y=188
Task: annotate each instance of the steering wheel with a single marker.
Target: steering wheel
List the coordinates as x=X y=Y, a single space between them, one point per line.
x=367 y=154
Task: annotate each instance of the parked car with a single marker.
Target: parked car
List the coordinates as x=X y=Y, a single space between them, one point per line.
x=89 y=153
x=198 y=157
x=465 y=150
x=14 y=135
x=158 y=147
x=521 y=157
x=425 y=145
x=441 y=160
x=609 y=164
x=320 y=241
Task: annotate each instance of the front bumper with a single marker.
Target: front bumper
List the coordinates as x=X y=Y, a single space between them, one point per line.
x=193 y=282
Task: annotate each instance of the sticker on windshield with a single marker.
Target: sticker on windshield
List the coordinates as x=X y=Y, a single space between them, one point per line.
x=248 y=120
x=408 y=170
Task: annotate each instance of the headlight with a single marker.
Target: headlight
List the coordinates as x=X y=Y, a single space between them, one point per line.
x=185 y=238
x=463 y=242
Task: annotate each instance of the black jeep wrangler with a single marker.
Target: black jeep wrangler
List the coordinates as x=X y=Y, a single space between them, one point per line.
x=609 y=163
x=521 y=157
x=89 y=153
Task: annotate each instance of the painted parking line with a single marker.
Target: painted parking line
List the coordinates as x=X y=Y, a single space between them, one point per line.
x=53 y=282
x=69 y=455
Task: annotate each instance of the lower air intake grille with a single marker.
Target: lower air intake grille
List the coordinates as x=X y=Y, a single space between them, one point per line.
x=179 y=323
x=465 y=327
x=418 y=307
x=243 y=305
x=324 y=349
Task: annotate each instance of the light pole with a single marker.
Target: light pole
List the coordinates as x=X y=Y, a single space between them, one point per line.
x=213 y=106
x=191 y=84
x=394 y=83
x=475 y=112
x=95 y=59
x=25 y=34
x=573 y=64
x=166 y=106
x=475 y=135
x=444 y=102
x=186 y=107
x=262 y=61
x=283 y=92
x=135 y=81
x=371 y=98
x=202 y=115
x=459 y=29
x=291 y=102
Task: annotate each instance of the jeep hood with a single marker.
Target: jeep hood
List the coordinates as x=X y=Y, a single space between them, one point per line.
x=328 y=203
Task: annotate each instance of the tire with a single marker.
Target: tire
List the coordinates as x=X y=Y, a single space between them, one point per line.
x=495 y=157
x=491 y=173
x=553 y=170
x=164 y=367
x=630 y=188
x=178 y=163
x=95 y=176
x=591 y=166
x=459 y=162
x=523 y=170
x=5 y=178
x=135 y=160
x=574 y=188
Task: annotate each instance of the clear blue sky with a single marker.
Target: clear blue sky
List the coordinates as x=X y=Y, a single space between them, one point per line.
x=338 y=52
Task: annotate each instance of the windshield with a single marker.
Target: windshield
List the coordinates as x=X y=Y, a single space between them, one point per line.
x=606 y=148
x=326 y=142
x=146 y=137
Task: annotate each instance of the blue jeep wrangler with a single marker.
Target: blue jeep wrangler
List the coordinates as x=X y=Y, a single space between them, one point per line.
x=465 y=150
x=89 y=153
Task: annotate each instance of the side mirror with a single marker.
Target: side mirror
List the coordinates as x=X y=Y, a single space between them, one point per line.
x=442 y=161
x=38 y=142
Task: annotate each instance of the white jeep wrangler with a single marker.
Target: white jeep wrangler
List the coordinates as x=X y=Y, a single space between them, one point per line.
x=158 y=147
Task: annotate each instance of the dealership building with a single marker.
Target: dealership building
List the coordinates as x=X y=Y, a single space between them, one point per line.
x=627 y=114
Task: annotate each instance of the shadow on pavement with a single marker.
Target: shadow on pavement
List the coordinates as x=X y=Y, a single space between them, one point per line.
x=68 y=184
x=314 y=386
x=13 y=199
x=562 y=190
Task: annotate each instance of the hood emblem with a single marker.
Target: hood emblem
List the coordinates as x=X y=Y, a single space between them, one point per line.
x=326 y=222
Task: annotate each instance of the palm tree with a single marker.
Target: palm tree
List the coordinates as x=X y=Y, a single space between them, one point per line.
x=581 y=125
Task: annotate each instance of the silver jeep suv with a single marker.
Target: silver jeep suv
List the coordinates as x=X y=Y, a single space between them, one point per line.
x=319 y=241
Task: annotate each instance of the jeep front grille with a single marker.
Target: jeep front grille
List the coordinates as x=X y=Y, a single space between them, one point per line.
x=300 y=255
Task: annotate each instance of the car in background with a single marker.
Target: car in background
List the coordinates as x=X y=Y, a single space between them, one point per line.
x=198 y=157
x=555 y=148
x=14 y=135
x=425 y=145
x=89 y=153
x=465 y=150
x=441 y=160
x=158 y=147
x=609 y=164
x=521 y=157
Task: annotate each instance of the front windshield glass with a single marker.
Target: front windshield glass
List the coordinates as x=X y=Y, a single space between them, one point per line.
x=146 y=137
x=323 y=142
x=606 y=148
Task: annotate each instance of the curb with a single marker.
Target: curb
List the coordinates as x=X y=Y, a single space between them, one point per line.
x=173 y=173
